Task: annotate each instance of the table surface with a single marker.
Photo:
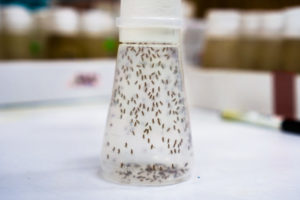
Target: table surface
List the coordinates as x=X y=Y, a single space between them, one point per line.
x=53 y=153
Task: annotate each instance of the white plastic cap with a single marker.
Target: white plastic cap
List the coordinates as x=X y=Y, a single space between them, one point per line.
x=64 y=21
x=153 y=21
x=97 y=23
x=150 y=13
x=272 y=24
x=17 y=19
x=250 y=23
x=223 y=23
x=292 y=23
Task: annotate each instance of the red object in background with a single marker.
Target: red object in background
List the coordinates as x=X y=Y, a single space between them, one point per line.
x=284 y=94
x=86 y=80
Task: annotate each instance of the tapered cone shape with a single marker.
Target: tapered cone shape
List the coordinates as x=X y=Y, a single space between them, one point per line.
x=147 y=139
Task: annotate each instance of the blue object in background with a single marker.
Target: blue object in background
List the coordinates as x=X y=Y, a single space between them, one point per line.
x=30 y=4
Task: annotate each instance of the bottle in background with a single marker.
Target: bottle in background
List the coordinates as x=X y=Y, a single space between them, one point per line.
x=40 y=33
x=17 y=30
x=270 y=41
x=291 y=40
x=1 y=36
x=249 y=40
x=222 y=37
x=98 y=34
x=63 y=41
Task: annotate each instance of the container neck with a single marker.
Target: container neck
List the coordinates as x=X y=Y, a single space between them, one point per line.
x=149 y=35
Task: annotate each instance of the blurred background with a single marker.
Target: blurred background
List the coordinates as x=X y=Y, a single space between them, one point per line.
x=57 y=65
x=39 y=38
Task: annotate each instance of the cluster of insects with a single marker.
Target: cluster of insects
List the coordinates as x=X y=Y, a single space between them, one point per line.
x=148 y=94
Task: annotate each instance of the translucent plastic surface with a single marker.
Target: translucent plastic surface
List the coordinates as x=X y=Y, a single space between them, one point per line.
x=147 y=139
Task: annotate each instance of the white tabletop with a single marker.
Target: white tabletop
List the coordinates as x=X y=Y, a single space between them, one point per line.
x=53 y=153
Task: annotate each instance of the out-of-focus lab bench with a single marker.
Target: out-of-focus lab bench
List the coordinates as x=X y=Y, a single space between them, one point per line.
x=52 y=151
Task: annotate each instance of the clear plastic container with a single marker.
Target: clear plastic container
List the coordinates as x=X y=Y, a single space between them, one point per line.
x=147 y=139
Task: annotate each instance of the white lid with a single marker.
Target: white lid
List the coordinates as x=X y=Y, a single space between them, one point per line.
x=292 y=23
x=223 y=23
x=153 y=21
x=272 y=24
x=150 y=13
x=96 y=22
x=17 y=19
x=64 y=21
x=250 y=23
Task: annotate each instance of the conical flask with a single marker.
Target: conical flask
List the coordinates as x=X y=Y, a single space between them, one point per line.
x=147 y=139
